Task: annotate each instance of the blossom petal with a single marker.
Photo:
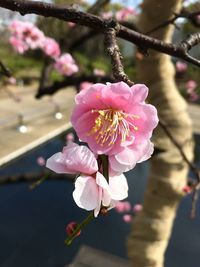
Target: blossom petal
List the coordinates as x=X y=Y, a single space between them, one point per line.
x=57 y=164
x=140 y=92
x=118 y=187
x=86 y=193
x=101 y=181
x=73 y=159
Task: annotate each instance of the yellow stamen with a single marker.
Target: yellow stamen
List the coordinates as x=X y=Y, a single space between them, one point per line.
x=111 y=123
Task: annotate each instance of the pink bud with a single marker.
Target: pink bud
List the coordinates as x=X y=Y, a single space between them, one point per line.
x=41 y=161
x=71 y=227
x=181 y=66
x=137 y=208
x=187 y=189
x=127 y=218
x=70 y=137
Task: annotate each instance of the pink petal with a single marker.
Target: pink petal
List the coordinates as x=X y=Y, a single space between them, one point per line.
x=56 y=163
x=86 y=193
x=73 y=159
x=116 y=95
x=140 y=92
x=80 y=159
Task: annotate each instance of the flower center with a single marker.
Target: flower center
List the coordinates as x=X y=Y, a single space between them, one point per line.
x=110 y=124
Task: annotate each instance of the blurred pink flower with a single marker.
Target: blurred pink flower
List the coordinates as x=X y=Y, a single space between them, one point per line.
x=12 y=80
x=127 y=218
x=18 y=45
x=70 y=137
x=24 y=36
x=50 y=47
x=66 y=65
x=125 y=14
x=137 y=208
x=123 y=206
x=71 y=24
x=107 y=15
x=190 y=88
x=114 y=120
x=99 y=72
x=181 y=66
x=191 y=85
x=85 y=85
x=91 y=188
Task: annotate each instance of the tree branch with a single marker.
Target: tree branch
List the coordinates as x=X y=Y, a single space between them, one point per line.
x=99 y=24
x=72 y=81
x=114 y=52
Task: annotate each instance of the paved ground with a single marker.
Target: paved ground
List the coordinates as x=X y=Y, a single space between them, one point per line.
x=37 y=115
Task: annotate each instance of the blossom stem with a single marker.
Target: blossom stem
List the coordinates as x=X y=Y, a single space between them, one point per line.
x=37 y=183
x=79 y=227
x=104 y=159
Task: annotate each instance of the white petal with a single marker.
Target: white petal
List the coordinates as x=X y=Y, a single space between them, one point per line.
x=118 y=187
x=101 y=181
x=86 y=193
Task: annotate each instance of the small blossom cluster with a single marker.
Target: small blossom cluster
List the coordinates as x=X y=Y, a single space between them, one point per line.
x=181 y=67
x=25 y=36
x=117 y=125
x=128 y=211
x=124 y=14
x=191 y=86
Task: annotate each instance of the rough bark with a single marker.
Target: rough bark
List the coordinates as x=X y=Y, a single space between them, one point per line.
x=152 y=228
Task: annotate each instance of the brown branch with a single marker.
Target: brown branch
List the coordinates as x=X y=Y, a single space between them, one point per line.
x=5 y=70
x=99 y=24
x=72 y=81
x=114 y=52
x=192 y=16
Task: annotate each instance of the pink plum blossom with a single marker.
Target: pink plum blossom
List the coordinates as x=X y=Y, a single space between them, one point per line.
x=50 y=47
x=91 y=188
x=24 y=36
x=114 y=120
x=85 y=85
x=18 y=45
x=125 y=14
x=66 y=65
x=181 y=66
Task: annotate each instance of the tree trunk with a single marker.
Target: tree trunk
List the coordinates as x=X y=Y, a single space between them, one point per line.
x=152 y=227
